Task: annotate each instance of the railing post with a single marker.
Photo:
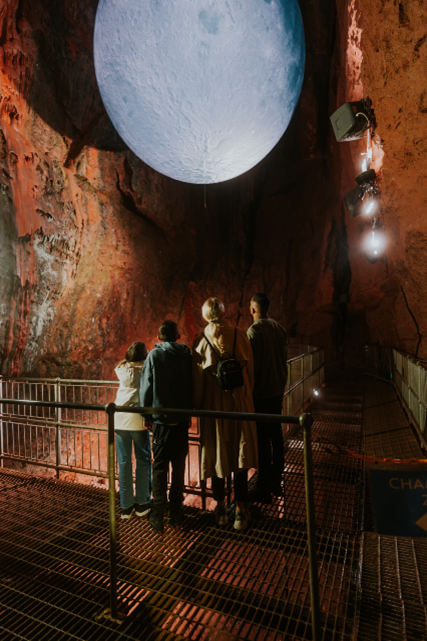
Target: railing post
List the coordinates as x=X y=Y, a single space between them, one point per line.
x=57 y=432
x=203 y=493
x=306 y=422
x=302 y=384
x=110 y=409
x=1 y=424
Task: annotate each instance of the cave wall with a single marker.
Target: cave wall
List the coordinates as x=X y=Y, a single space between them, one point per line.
x=387 y=60
x=96 y=248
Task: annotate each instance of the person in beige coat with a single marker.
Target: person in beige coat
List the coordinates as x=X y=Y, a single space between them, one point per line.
x=227 y=445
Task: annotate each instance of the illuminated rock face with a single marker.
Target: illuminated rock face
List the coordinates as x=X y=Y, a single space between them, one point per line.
x=201 y=91
x=96 y=248
x=392 y=294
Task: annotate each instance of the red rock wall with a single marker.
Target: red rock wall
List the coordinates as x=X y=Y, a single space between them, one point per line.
x=96 y=248
x=387 y=60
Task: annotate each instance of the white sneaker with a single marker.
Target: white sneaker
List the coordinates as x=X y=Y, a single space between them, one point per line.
x=220 y=515
x=127 y=513
x=242 y=519
x=141 y=509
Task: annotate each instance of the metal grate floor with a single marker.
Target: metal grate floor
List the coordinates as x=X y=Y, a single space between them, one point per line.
x=196 y=582
x=393 y=589
x=203 y=583
x=393 y=583
x=338 y=480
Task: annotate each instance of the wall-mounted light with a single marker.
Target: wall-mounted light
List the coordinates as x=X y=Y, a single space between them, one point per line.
x=352 y=119
x=365 y=186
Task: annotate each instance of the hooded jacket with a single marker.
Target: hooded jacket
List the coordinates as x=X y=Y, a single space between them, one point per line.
x=166 y=380
x=129 y=375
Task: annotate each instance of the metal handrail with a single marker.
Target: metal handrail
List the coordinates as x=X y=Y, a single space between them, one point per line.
x=296 y=358
x=396 y=377
x=30 y=379
x=306 y=422
x=306 y=372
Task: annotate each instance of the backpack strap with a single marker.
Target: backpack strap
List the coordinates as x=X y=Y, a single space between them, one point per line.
x=213 y=348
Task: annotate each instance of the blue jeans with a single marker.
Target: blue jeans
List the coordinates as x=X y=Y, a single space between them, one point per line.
x=141 y=441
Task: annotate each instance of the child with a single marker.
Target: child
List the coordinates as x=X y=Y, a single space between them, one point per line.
x=130 y=427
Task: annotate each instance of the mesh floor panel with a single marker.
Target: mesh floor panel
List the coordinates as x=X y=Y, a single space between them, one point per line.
x=338 y=479
x=393 y=589
x=205 y=583
x=197 y=581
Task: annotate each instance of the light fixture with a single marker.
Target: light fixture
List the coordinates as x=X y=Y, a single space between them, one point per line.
x=352 y=119
x=374 y=245
x=365 y=185
x=316 y=392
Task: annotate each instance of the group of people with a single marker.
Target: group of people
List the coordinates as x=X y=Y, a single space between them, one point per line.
x=227 y=370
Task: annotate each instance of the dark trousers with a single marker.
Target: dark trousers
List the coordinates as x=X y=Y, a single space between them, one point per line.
x=240 y=487
x=269 y=437
x=170 y=445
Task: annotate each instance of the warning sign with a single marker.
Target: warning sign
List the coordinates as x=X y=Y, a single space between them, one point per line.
x=400 y=501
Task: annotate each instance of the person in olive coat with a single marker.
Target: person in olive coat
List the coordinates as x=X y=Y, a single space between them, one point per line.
x=270 y=349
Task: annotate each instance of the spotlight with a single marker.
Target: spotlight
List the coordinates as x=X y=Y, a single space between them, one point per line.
x=352 y=119
x=374 y=246
x=366 y=177
x=316 y=392
x=365 y=185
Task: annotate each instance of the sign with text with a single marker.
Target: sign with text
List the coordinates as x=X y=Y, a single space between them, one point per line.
x=400 y=501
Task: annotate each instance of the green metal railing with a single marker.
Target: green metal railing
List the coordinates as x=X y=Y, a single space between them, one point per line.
x=305 y=420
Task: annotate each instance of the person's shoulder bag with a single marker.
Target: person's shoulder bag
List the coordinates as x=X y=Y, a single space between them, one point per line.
x=229 y=373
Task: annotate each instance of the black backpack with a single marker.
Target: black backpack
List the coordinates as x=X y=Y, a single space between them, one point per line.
x=229 y=372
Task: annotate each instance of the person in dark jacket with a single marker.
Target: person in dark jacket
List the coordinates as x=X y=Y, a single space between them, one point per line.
x=269 y=343
x=166 y=381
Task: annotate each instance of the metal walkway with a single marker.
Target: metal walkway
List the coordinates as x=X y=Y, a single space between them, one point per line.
x=203 y=583
x=393 y=582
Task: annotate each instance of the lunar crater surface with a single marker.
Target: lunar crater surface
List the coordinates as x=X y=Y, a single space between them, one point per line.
x=200 y=91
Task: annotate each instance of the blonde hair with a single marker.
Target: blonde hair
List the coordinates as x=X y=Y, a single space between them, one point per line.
x=213 y=310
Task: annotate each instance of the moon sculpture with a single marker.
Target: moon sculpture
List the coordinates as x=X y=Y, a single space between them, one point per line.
x=200 y=90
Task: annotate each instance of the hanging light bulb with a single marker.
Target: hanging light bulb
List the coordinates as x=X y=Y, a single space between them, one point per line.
x=374 y=241
x=374 y=246
x=370 y=207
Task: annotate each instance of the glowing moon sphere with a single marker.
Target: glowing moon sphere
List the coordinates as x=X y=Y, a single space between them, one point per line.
x=200 y=90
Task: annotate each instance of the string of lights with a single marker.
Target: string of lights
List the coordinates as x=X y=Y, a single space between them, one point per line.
x=351 y=122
